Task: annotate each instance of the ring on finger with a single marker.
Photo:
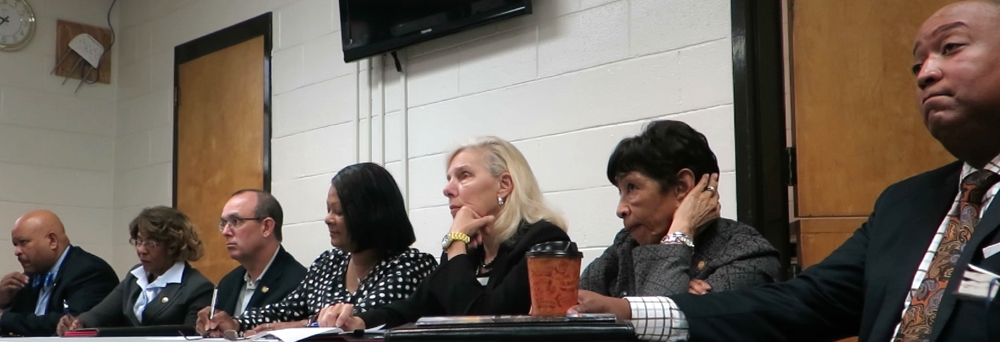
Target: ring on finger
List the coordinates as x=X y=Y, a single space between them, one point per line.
x=710 y=188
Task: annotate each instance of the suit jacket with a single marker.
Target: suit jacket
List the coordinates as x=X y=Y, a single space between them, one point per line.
x=284 y=275
x=454 y=290
x=727 y=254
x=82 y=281
x=178 y=303
x=861 y=287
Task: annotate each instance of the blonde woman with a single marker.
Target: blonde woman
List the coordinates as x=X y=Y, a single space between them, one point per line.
x=498 y=214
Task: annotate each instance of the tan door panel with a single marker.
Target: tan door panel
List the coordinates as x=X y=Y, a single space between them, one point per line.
x=220 y=140
x=856 y=124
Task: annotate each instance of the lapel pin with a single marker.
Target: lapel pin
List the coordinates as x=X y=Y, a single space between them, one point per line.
x=164 y=300
x=264 y=289
x=701 y=264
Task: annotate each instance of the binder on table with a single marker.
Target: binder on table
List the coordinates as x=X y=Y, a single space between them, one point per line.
x=155 y=330
x=514 y=328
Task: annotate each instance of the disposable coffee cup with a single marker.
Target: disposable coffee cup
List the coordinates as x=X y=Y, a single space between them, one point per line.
x=554 y=277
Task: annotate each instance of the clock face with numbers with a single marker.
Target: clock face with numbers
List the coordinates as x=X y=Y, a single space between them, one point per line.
x=17 y=24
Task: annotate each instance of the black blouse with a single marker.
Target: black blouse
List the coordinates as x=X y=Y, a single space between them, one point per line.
x=454 y=290
x=394 y=278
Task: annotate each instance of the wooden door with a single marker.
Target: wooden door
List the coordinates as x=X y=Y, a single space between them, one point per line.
x=856 y=125
x=219 y=140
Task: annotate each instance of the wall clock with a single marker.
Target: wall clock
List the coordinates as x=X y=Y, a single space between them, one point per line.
x=17 y=24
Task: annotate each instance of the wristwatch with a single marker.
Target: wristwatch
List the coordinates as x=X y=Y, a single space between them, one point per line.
x=452 y=237
x=677 y=238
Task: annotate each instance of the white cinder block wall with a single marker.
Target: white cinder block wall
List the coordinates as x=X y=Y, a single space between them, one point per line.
x=56 y=147
x=564 y=84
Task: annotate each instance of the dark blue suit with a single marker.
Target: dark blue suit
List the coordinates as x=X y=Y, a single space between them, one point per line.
x=861 y=287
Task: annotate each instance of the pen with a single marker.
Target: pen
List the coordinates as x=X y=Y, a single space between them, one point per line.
x=215 y=295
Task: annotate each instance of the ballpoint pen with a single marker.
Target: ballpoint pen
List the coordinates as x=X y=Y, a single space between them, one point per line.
x=215 y=295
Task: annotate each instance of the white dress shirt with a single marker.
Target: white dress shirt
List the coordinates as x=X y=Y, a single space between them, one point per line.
x=46 y=292
x=250 y=286
x=149 y=291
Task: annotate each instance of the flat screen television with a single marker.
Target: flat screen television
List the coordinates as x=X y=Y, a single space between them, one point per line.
x=373 y=27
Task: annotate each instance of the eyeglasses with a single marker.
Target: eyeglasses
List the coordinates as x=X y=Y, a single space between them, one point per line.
x=236 y=221
x=146 y=243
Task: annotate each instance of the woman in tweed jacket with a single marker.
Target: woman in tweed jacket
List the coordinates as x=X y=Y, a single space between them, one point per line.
x=673 y=240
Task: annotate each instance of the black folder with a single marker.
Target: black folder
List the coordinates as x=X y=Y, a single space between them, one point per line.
x=513 y=328
x=155 y=330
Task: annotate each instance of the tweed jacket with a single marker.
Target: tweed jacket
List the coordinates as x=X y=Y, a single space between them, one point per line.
x=727 y=254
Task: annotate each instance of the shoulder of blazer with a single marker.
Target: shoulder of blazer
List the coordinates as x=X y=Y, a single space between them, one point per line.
x=233 y=279
x=285 y=272
x=286 y=263
x=728 y=240
x=944 y=178
x=81 y=261
x=193 y=276
x=728 y=229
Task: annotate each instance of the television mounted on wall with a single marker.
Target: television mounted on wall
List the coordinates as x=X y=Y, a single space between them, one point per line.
x=374 y=27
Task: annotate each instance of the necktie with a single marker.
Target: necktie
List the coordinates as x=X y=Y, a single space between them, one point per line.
x=43 y=281
x=919 y=316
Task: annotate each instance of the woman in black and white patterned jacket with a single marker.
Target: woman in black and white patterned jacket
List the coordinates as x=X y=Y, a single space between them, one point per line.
x=370 y=266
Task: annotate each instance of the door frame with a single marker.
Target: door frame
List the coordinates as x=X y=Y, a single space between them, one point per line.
x=763 y=169
x=224 y=38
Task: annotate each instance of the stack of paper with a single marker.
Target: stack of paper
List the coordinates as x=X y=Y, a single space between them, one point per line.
x=978 y=283
x=293 y=334
x=299 y=334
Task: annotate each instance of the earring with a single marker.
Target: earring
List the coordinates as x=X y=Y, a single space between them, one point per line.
x=499 y=200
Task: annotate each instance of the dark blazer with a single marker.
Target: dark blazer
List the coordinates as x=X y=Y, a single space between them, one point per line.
x=861 y=287
x=727 y=254
x=284 y=275
x=176 y=304
x=82 y=281
x=454 y=290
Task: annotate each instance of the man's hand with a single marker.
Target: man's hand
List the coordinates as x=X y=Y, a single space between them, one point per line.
x=9 y=285
x=67 y=323
x=217 y=325
x=592 y=302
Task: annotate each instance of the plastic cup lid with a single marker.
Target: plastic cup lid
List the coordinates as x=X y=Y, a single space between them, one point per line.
x=555 y=248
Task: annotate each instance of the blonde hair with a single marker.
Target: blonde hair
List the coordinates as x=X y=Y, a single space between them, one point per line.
x=525 y=202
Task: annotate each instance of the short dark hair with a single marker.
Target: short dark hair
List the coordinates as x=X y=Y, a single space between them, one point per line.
x=171 y=228
x=373 y=207
x=267 y=206
x=663 y=149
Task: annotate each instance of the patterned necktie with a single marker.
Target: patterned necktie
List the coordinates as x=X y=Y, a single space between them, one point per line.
x=919 y=317
x=40 y=281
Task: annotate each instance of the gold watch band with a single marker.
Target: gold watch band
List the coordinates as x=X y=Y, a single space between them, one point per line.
x=452 y=237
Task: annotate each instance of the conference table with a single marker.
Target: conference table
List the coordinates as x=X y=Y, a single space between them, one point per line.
x=157 y=338
x=453 y=328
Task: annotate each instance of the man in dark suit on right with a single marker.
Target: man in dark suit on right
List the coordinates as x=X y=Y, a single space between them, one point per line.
x=58 y=278
x=895 y=278
x=251 y=223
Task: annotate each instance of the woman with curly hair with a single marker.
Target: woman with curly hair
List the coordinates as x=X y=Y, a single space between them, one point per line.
x=164 y=289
